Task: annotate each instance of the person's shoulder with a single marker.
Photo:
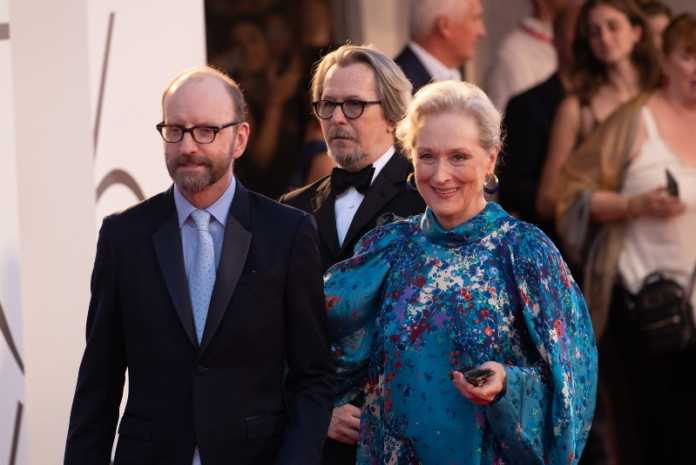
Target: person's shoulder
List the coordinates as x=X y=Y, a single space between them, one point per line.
x=390 y=234
x=275 y=211
x=571 y=103
x=143 y=216
x=405 y=54
x=515 y=46
x=301 y=196
x=526 y=241
x=536 y=95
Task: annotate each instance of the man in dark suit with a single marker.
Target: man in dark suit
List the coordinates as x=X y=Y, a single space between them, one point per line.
x=359 y=94
x=211 y=297
x=443 y=38
x=528 y=121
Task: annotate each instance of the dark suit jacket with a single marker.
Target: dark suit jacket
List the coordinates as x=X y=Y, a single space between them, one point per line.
x=528 y=121
x=230 y=394
x=388 y=196
x=412 y=67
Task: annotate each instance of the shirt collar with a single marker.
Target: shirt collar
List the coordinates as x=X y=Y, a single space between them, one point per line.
x=539 y=30
x=435 y=67
x=218 y=210
x=382 y=161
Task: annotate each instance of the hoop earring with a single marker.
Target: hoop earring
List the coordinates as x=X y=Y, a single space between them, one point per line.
x=411 y=182
x=491 y=184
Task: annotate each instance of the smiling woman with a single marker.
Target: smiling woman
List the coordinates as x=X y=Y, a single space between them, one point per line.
x=462 y=286
x=453 y=135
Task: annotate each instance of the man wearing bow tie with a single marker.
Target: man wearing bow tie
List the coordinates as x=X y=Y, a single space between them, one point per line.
x=358 y=94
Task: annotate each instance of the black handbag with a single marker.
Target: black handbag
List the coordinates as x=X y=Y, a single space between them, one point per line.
x=663 y=311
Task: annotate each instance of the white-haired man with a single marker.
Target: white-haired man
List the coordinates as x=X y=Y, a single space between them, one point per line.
x=443 y=37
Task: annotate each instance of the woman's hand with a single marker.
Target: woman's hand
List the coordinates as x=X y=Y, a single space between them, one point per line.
x=656 y=203
x=283 y=85
x=345 y=424
x=486 y=392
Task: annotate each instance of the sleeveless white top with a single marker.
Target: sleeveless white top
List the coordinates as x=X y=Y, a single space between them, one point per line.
x=652 y=244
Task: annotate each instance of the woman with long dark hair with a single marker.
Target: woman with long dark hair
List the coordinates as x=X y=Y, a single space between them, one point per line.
x=615 y=60
x=636 y=179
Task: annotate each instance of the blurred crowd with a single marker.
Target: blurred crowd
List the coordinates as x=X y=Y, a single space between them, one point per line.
x=269 y=47
x=599 y=104
x=589 y=158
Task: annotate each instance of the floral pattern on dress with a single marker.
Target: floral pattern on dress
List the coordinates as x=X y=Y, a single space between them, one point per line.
x=418 y=301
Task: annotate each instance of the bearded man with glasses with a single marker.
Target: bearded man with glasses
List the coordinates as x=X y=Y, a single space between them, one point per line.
x=358 y=94
x=210 y=295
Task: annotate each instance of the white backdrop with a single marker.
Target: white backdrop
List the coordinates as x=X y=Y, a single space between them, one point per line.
x=51 y=172
x=150 y=43
x=11 y=337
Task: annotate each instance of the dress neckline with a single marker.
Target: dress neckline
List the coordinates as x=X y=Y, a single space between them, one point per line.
x=472 y=230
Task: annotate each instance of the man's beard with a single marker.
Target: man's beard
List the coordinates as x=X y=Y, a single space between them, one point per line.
x=344 y=159
x=194 y=183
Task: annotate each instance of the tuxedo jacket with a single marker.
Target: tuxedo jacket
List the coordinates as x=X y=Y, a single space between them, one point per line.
x=388 y=197
x=413 y=68
x=528 y=120
x=256 y=390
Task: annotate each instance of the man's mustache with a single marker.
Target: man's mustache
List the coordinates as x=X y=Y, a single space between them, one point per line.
x=341 y=133
x=192 y=160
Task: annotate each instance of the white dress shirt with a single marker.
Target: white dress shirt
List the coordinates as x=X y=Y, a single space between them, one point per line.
x=348 y=202
x=525 y=58
x=437 y=70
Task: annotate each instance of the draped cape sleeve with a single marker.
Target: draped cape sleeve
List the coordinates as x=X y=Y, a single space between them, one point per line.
x=353 y=291
x=546 y=413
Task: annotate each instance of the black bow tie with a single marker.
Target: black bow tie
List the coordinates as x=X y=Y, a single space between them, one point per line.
x=342 y=179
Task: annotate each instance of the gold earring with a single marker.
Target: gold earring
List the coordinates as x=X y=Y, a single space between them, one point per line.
x=491 y=184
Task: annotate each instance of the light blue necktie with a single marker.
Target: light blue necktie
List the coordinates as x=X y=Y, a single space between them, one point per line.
x=202 y=277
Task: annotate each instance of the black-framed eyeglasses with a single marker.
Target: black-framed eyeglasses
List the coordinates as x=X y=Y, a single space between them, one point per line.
x=173 y=133
x=352 y=109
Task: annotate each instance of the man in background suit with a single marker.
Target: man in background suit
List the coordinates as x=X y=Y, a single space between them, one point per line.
x=211 y=296
x=528 y=120
x=444 y=34
x=359 y=95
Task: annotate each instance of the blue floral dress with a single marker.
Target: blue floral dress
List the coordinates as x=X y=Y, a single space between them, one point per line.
x=418 y=301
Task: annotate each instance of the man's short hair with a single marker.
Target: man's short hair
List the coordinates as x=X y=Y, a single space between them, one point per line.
x=393 y=88
x=231 y=86
x=425 y=12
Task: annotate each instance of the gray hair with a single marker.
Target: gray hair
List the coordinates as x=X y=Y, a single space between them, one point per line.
x=423 y=14
x=393 y=88
x=238 y=102
x=451 y=97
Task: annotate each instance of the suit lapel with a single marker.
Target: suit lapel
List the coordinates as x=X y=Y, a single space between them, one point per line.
x=323 y=208
x=235 y=248
x=167 y=241
x=387 y=184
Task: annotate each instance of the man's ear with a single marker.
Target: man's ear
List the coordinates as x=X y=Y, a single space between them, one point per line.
x=241 y=138
x=442 y=26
